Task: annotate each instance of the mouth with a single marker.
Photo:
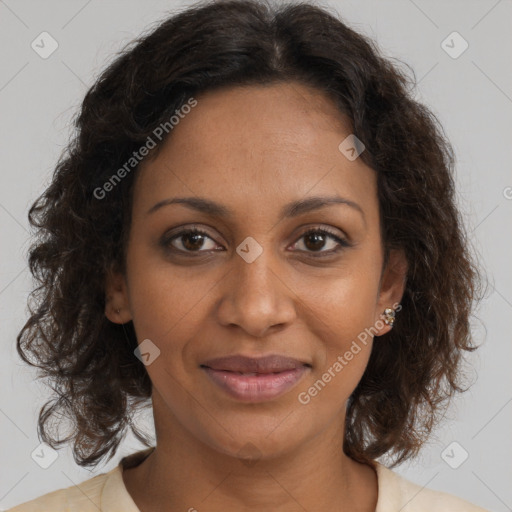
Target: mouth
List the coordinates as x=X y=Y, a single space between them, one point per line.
x=251 y=379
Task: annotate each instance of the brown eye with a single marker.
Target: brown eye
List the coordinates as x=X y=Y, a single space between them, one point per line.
x=192 y=240
x=316 y=239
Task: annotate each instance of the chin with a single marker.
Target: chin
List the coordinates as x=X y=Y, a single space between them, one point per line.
x=251 y=440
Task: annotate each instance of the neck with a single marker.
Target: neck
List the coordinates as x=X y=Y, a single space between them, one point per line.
x=184 y=473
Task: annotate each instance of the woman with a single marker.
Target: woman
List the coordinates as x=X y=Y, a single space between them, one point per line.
x=254 y=232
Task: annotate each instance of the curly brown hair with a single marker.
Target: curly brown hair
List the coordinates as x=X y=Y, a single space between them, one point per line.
x=89 y=361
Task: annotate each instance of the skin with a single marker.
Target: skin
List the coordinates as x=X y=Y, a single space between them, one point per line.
x=254 y=149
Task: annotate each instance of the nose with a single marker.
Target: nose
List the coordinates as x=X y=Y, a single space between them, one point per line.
x=255 y=295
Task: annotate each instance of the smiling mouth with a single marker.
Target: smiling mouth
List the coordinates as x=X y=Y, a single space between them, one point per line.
x=251 y=379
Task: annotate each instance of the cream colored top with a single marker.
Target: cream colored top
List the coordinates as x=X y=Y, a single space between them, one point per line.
x=107 y=493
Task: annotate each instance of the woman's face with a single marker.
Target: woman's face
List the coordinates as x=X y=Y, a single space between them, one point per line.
x=253 y=285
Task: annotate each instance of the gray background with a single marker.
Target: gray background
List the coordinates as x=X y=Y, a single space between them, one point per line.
x=472 y=97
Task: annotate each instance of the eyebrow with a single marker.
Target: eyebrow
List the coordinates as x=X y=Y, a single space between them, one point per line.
x=290 y=210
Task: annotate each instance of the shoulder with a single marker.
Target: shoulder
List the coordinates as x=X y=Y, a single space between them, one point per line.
x=85 y=497
x=397 y=493
x=105 y=492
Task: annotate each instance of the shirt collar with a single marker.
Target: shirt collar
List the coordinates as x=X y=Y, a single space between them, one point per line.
x=115 y=497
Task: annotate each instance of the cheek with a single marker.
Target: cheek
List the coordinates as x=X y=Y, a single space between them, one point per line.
x=340 y=319
x=342 y=304
x=340 y=315
x=166 y=302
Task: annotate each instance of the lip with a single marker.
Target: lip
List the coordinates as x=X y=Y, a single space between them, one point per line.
x=252 y=379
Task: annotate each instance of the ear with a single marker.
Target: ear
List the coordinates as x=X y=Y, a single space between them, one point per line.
x=392 y=287
x=116 y=298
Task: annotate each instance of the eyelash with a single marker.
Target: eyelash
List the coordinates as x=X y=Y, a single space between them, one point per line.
x=196 y=231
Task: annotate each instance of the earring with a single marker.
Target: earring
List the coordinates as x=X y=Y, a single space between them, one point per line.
x=389 y=316
x=118 y=311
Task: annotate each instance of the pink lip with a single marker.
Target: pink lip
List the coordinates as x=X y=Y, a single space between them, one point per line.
x=256 y=387
x=255 y=379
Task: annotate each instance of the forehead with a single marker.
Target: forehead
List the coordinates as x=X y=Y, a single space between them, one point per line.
x=256 y=145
